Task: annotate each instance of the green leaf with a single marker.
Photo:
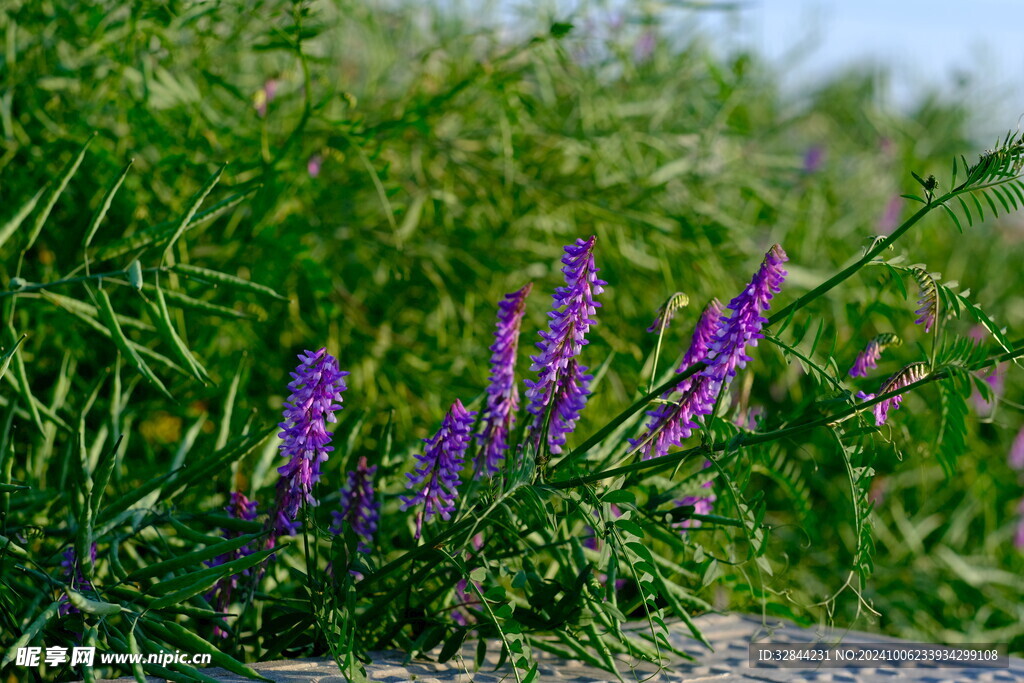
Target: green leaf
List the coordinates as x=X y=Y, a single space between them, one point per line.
x=106 y=311
x=223 y=278
x=100 y=609
x=190 y=212
x=184 y=587
x=55 y=193
x=192 y=559
x=104 y=206
x=619 y=497
x=33 y=629
x=12 y=225
x=5 y=359
x=177 y=635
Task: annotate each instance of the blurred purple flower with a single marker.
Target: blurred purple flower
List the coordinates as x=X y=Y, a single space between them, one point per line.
x=316 y=389
x=644 y=46
x=314 y=165
x=502 y=392
x=890 y=218
x=878 y=491
x=702 y=505
x=238 y=507
x=1018 y=540
x=562 y=383
x=438 y=474
x=74 y=577
x=358 y=505
x=814 y=159
x=1016 y=458
x=264 y=96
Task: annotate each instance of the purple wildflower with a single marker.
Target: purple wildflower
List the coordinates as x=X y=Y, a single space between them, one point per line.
x=464 y=598
x=890 y=218
x=723 y=353
x=814 y=159
x=74 y=577
x=316 y=389
x=702 y=505
x=644 y=46
x=1018 y=540
x=743 y=328
x=359 y=507
x=502 y=393
x=238 y=507
x=1016 y=458
x=439 y=469
x=676 y=412
x=906 y=376
x=264 y=96
x=562 y=383
x=314 y=165
x=868 y=358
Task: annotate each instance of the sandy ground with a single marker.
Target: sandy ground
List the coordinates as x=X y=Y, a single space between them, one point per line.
x=729 y=635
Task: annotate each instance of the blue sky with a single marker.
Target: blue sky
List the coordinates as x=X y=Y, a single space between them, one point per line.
x=925 y=44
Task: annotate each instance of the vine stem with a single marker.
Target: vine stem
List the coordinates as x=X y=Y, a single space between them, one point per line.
x=672 y=459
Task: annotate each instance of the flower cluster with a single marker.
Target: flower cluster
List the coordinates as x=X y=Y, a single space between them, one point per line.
x=358 y=506
x=74 y=577
x=562 y=385
x=502 y=393
x=868 y=358
x=238 y=507
x=316 y=389
x=721 y=342
x=438 y=473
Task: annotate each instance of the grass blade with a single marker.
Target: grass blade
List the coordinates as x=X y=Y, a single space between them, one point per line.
x=190 y=212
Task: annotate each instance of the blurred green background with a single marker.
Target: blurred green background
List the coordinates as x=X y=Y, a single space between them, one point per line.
x=406 y=166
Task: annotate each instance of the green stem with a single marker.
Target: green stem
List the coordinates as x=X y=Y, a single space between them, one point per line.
x=741 y=441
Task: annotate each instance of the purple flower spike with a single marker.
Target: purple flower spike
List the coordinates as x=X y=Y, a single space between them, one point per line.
x=438 y=474
x=239 y=507
x=700 y=344
x=727 y=352
x=316 y=395
x=1016 y=458
x=723 y=347
x=868 y=358
x=680 y=415
x=359 y=507
x=561 y=381
x=906 y=376
x=502 y=393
